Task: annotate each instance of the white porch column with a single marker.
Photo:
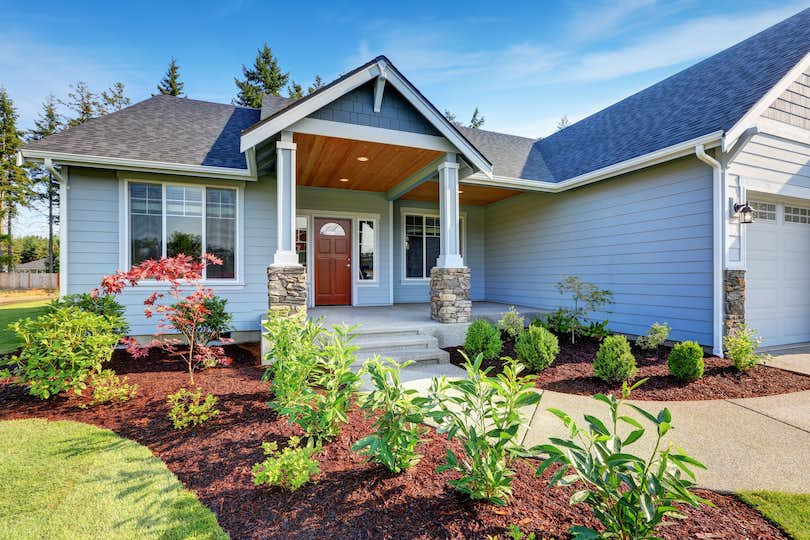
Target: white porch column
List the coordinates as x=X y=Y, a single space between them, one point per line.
x=285 y=202
x=449 y=246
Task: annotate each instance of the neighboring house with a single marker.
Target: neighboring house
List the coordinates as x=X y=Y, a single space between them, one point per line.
x=31 y=266
x=359 y=191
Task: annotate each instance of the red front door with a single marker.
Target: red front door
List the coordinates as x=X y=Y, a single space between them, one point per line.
x=333 y=262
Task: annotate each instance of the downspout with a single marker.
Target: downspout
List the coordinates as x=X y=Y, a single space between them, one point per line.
x=718 y=235
x=63 y=224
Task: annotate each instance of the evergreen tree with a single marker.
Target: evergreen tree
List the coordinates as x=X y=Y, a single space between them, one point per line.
x=171 y=85
x=294 y=90
x=451 y=117
x=15 y=187
x=47 y=189
x=477 y=119
x=113 y=99
x=265 y=77
x=316 y=84
x=83 y=103
x=563 y=123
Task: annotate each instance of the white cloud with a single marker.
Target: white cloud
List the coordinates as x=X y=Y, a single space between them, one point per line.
x=602 y=20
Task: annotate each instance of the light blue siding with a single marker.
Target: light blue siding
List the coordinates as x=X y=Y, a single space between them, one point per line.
x=407 y=291
x=647 y=236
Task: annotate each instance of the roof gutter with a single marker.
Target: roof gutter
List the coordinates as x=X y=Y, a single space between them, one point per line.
x=49 y=166
x=685 y=148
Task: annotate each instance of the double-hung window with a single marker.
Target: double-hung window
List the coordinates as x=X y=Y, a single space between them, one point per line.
x=166 y=220
x=422 y=244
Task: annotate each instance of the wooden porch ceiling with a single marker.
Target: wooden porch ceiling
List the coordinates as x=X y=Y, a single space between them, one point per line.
x=471 y=194
x=323 y=161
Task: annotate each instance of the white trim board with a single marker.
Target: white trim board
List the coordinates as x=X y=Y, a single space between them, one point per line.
x=343 y=130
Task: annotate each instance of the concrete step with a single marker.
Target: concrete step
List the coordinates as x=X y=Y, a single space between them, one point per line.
x=376 y=342
x=385 y=331
x=418 y=356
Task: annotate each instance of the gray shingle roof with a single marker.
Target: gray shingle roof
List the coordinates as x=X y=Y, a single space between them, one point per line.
x=272 y=104
x=161 y=128
x=510 y=155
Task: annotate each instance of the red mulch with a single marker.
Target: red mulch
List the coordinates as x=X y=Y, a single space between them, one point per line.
x=351 y=499
x=572 y=373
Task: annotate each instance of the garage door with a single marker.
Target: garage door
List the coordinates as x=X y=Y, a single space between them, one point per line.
x=778 y=277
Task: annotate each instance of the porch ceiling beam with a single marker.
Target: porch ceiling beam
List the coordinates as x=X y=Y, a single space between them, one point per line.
x=429 y=171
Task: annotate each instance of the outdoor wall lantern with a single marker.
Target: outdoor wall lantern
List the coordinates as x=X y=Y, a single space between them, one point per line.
x=744 y=212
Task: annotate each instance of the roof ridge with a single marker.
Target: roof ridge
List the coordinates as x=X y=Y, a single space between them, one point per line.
x=184 y=98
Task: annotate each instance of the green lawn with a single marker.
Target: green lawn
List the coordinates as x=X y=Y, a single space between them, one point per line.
x=13 y=312
x=73 y=480
x=791 y=512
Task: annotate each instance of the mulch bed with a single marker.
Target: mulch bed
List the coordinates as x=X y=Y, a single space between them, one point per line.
x=351 y=498
x=572 y=373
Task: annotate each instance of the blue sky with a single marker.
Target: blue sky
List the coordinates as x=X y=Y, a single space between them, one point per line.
x=524 y=65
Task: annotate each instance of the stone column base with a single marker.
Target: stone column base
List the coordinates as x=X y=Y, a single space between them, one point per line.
x=450 y=295
x=733 y=299
x=287 y=289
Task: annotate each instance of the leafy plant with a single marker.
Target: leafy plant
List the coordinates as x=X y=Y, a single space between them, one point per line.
x=741 y=346
x=61 y=350
x=514 y=533
x=105 y=305
x=398 y=426
x=511 y=323
x=630 y=495
x=595 y=329
x=537 y=347
x=560 y=322
x=586 y=298
x=686 y=361
x=110 y=388
x=656 y=336
x=485 y=412
x=188 y=315
x=189 y=408
x=614 y=362
x=289 y=468
x=216 y=321
x=320 y=413
x=483 y=338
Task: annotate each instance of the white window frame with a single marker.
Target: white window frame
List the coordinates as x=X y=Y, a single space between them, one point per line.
x=403 y=252
x=355 y=218
x=125 y=255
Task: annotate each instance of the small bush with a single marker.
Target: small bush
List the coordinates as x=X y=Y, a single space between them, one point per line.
x=103 y=304
x=293 y=342
x=61 y=350
x=398 y=426
x=483 y=338
x=656 y=335
x=289 y=468
x=190 y=409
x=595 y=329
x=586 y=298
x=741 y=346
x=110 y=388
x=686 y=361
x=614 y=362
x=511 y=323
x=561 y=322
x=215 y=322
x=537 y=347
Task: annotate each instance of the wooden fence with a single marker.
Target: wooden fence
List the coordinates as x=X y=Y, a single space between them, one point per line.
x=29 y=280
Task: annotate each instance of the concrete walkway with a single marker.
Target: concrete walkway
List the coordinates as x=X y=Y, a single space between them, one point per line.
x=746 y=444
x=794 y=358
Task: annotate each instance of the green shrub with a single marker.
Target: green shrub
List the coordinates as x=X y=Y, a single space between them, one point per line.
x=629 y=494
x=486 y=412
x=560 y=322
x=293 y=343
x=537 y=348
x=216 y=322
x=188 y=408
x=398 y=426
x=61 y=350
x=614 y=362
x=595 y=329
x=102 y=304
x=289 y=468
x=656 y=335
x=110 y=388
x=741 y=346
x=686 y=361
x=511 y=323
x=483 y=338
x=321 y=404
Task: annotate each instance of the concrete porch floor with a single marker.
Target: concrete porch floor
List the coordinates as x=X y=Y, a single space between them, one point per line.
x=400 y=317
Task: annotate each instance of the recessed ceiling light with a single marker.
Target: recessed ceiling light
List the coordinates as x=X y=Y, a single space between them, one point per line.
x=460 y=191
x=343 y=179
x=362 y=158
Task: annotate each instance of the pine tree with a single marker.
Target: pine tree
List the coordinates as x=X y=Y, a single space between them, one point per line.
x=113 y=99
x=294 y=90
x=563 y=123
x=477 y=119
x=171 y=85
x=316 y=84
x=265 y=77
x=15 y=187
x=48 y=123
x=451 y=117
x=83 y=103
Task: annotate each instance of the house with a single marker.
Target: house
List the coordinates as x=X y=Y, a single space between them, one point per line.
x=363 y=194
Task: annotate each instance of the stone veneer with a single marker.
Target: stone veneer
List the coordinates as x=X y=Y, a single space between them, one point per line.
x=450 y=295
x=733 y=299
x=287 y=288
